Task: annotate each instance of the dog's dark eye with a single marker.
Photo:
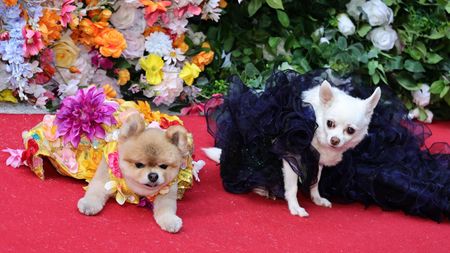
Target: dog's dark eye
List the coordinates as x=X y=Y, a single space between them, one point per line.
x=330 y=124
x=163 y=166
x=139 y=165
x=350 y=130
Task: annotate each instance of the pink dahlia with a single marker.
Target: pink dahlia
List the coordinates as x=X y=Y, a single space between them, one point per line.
x=84 y=114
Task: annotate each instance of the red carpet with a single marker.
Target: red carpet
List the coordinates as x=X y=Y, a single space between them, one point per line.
x=41 y=216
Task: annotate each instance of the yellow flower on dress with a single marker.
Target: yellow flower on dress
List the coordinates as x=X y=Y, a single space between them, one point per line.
x=124 y=76
x=153 y=64
x=189 y=73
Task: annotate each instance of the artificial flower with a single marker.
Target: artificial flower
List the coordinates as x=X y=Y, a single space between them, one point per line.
x=226 y=59
x=177 y=26
x=66 y=52
x=345 y=25
x=421 y=97
x=204 y=58
x=109 y=91
x=15 y=157
x=187 y=9
x=113 y=163
x=383 y=38
x=111 y=42
x=211 y=10
x=49 y=26
x=169 y=89
x=377 y=13
x=415 y=114
x=189 y=73
x=197 y=38
x=154 y=10
x=83 y=64
x=354 y=8
x=49 y=128
x=124 y=76
x=135 y=44
x=179 y=43
x=10 y=3
x=68 y=158
x=84 y=114
x=7 y=95
x=124 y=16
x=152 y=64
x=29 y=152
x=175 y=56
x=33 y=42
x=158 y=43
x=66 y=10
x=194 y=108
x=99 y=61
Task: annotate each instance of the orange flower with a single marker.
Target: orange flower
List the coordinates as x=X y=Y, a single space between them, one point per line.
x=152 y=29
x=179 y=42
x=10 y=2
x=223 y=4
x=109 y=91
x=203 y=58
x=124 y=76
x=49 y=26
x=74 y=70
x=158 y=6
x=88 y=31
x=105 y=15
x=111 y=42
x=91 y=2
x=75 y=22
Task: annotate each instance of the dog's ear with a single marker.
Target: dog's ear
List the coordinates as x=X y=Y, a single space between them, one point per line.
x=178 y=136
x=325 y=92
x=372 y=101
x=133 y=125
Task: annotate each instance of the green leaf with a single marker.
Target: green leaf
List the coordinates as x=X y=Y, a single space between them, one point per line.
x=421 y=47
x=406 y=81
x=364 y=29
x=251 y=71
x=254 y=6
x=422 y=115
x=375 y=78
x=228 y=43
x=433 y=58
x=274 y=41
x=373 y=53
x=447 y=8
x=444 y=91
x=342 y=43
x=414 y=66
x=276 y=4
x=437 y=87
x=414 y=53
x=394 y=64
x=372 y=66
x=436 y=34
x=283 y=18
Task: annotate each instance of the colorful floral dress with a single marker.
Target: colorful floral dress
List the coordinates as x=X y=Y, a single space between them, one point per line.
x=80 y=158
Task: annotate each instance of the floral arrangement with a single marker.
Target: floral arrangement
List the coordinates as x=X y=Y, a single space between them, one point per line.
x=131 y=48
x=404 y=44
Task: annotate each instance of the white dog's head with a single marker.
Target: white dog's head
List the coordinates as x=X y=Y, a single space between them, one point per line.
x=343 y=120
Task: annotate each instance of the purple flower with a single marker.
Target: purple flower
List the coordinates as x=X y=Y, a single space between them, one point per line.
x=84 y=113
x=99 y=61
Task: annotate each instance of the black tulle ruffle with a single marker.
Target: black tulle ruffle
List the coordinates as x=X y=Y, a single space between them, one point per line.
x=390 y=167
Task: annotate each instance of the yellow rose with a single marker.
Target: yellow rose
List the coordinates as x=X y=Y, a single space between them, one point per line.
x=66 y=52
x=124 y=76
x=111 y=42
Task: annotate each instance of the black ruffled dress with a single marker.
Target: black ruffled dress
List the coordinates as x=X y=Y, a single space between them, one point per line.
x=390 y=167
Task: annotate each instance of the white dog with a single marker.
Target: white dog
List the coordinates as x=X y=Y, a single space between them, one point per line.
x=342 y=122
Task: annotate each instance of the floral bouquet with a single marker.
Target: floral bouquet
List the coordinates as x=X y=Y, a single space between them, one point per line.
x=51 y=49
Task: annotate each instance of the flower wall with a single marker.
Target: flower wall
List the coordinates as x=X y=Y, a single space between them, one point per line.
x=135 y=48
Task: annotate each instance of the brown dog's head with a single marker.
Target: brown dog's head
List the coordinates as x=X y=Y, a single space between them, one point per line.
x=150 y=158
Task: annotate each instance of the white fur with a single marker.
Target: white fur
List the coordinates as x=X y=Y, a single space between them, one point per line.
x=345 y=111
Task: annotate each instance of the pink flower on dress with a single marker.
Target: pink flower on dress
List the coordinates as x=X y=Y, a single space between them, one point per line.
x=69 y=159
x=33 y=42
x=15 y=157
x=66 y=9
x=113 y=163
x=84 y=114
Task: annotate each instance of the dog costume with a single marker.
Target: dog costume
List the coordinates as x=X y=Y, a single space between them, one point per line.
x=390 y=167
x=80 y=156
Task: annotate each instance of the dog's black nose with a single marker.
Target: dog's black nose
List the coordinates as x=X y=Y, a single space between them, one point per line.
x=152 y=177
x=335 y=140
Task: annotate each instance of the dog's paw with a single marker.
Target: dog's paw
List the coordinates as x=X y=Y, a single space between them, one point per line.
x=321 y=201
x=170 y=223
x=89 y=206
x=298 y=210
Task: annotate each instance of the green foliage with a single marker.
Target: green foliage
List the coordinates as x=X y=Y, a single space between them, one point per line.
x=265 y=35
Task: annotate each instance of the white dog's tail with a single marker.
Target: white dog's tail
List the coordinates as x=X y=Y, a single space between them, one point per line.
x=213 y=153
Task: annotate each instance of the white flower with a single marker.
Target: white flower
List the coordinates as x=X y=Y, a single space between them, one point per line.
x=134 y=88
x=383 y=38
x=124 y=15
x=135 y=44
x=4 y=77
x=324 y=40
x=176 y=55
x=196 y=37
x=35 y=89
x=68 y=89
x=197 y=166
x=345 y=25
x=226 y=60
x=377 y=13
x=100 y=79
x=177 y=26
x=421 y=97
x=158 y=43
x=415 y=114
x=211 y=10
x=170 y=87
x=83 y=64
x=354 y=8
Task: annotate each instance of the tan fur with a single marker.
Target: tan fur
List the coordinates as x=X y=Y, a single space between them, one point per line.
x=149 y=149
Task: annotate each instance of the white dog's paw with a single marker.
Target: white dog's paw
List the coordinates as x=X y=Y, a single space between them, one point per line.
x=170 y=223
x=89 y=205
x=298 y=210
x=321 y=201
